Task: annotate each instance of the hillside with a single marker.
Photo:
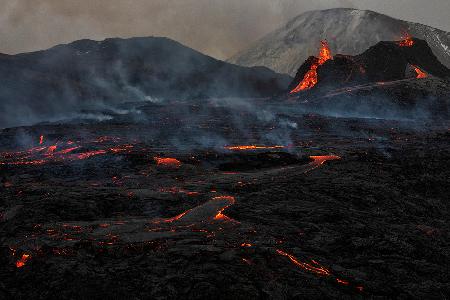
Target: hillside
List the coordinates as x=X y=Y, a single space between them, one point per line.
x=348 y=31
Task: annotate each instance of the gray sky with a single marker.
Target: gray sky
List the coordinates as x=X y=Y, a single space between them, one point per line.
x=216 y=27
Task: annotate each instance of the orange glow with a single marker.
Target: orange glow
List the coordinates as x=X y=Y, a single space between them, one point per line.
x=175 y=190
x=343 y=282
x=66 y=151
x=85 y=155
x=124 y=148
x=23 y=260
x=320 y=160
x=246 y=245
x=319 y=270
x=41 y=140
x=55 y=153
x=310 y=79
x=167 y=162
x=252 y=147
x=176 y=218
x=220 y=216
x=406 y=41
x=51 y=149
x=420 y=74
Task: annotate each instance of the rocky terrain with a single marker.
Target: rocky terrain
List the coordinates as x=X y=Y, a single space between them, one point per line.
x=348 y=31
x=336 y=191
x=195 y=203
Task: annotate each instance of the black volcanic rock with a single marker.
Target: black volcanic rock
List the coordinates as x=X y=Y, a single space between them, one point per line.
x=43 y=84
x=386 y=61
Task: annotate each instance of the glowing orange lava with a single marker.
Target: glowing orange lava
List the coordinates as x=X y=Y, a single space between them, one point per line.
x=319 y=270
x=41 y=140
x=310 y=79
x=220 y=215
x=420 y=74
x=51 y=149
x=167 y=162
x=86 y=155
x=176 y=218
x=66 y=151
x=252 y=147
x=23 y=260
x=320 y=160
x=406 y=41
x=341 y=281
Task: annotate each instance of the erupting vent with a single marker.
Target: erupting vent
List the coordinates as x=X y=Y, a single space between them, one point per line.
x=420 y=73
x=310 y=79
x=406 y=41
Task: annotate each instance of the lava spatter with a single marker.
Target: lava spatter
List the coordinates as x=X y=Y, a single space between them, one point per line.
x=407 y=40
x=420 y=74
x=23 y=260
x=311 y=79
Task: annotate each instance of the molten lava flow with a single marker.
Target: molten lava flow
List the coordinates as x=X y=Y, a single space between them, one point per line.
x=341 y=281
x=176 y=218
x=253 y=147
x=319 y=270
x=41 y=140
x=66 y=151
x=316 y=268
x=210 y=211
x=420 y=74
x=51 y=149
x=220 y=216
x=319 y=161
x=406 y=41
x=167 y=162
x=310 y=79
x=86 y=155
x=23 y=260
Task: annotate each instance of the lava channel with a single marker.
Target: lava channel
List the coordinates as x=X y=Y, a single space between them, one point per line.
x=208 y=212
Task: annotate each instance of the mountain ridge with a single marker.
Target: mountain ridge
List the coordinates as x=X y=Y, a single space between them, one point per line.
x=42 y=84
x=348 y=31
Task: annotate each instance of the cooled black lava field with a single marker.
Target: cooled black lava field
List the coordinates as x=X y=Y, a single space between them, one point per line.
x=225 y=205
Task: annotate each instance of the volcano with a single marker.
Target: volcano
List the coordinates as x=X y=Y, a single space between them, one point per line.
x=348 y=31
x=60 y=81
x=384 y=62
x=390 y=78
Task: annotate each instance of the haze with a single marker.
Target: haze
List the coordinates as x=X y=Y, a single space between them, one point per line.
x=215 y=27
